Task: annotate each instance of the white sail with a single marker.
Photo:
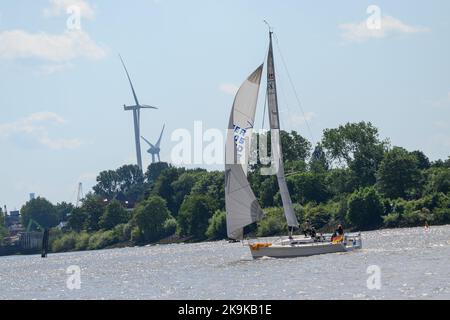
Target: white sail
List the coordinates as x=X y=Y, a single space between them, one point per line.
x=272 y=103
x=242 y=207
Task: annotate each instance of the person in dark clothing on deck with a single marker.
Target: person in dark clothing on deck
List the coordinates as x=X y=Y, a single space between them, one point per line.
x=307 y=229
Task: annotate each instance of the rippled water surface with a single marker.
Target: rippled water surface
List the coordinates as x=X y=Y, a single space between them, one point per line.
x=414 y=264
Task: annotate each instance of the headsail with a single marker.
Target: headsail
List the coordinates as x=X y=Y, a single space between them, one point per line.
x=241 y=204
x=272 y=102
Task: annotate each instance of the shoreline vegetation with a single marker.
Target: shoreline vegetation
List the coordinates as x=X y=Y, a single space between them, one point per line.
x=350 y=177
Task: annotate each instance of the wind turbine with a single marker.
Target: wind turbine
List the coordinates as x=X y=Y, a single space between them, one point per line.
x=155 y=149
x=136 y=117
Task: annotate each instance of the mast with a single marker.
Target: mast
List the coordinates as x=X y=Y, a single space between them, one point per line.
x=277 y=157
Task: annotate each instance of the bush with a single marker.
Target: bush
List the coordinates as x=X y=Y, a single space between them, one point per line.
x=127 y=229
x=392 y=220
x=170 y=227
x=114 y=214
x=82 y=241
x=194 y=215
x=274 y=223
x=365 y=209
x=319 y=216
x=150 y=217
x=65 y=243
x=100 y=240
x=442 y=216
x=217 y=228
x=136 y=235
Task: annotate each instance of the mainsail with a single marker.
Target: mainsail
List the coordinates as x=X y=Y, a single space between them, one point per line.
x=272 y=103
x=242 y=207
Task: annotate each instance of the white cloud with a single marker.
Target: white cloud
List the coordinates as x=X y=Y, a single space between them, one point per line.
x=35 y=127
x=229 y=88
x=19 y=44
x=359 y=32
x=59 y=7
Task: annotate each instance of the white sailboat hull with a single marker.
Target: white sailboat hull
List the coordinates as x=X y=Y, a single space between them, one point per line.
x=283 y=250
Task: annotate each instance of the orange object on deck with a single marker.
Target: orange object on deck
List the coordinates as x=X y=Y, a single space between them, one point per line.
x=258 y=246
x=337 y=239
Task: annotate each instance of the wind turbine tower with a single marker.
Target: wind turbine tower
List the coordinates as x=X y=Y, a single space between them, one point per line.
x=80 y=194
x=136 y=117
x=155 y=148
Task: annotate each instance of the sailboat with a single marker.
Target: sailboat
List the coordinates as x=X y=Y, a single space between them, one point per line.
x=242 y=207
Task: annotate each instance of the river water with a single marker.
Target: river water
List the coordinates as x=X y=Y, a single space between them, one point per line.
x=412 y=264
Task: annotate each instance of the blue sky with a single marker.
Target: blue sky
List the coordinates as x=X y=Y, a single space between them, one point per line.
x=61 y=115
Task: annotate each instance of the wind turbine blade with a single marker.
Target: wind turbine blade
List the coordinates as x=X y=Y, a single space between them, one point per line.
x=160 y=136
x=147 y=142
x=144 y=106
x=129 y=79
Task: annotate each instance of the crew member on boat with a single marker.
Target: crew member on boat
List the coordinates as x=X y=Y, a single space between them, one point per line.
x=338 y=234
x=307 y=228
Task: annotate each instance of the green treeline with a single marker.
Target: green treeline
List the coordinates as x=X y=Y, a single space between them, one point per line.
x=350 y=177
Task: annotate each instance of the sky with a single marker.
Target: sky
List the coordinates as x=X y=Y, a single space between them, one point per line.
x=62 y=87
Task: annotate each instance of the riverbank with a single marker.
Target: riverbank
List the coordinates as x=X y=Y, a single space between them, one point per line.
x=73 y=242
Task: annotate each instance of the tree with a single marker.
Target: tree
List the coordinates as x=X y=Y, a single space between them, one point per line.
x=365 y=209
x=194 y=215
x=114 y=215
x=40 y=210
x=77 y=219
x=3 y=230
x=341 y=181
x=438 y=180
x=164 y=189
x=307 y=187
x=93 y=206
x=63 y=210
x=267 y=191
x=217 y=228
x=358 y=146
x=319 y=161
x=154 y=170
x=423 y=163
x=150 y=217
x=441 y=164
x=183 y=186
x=2 y=218
x=107 y=184
x=127 y=180
x=295 y=147
x=398 y=175
x=211 y=184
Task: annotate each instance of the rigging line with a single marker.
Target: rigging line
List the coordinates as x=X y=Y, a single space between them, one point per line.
x=295 y=91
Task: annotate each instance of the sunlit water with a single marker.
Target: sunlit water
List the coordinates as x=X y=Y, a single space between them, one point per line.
x=414 y=264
